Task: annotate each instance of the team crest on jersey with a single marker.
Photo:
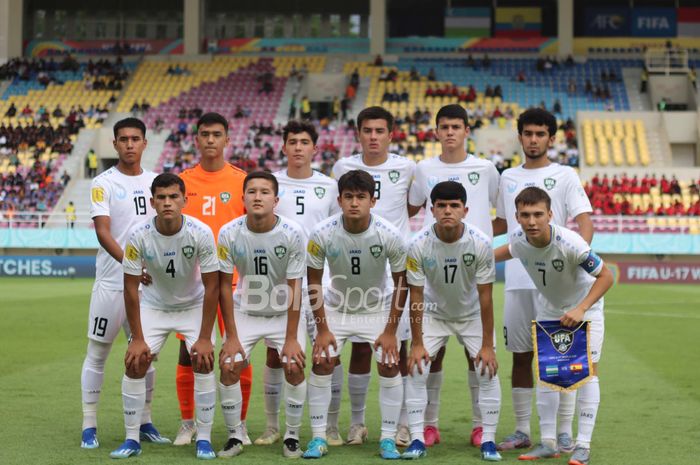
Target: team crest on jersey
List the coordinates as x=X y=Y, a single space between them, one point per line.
x=225 y=197
x=280 y=251
x=394 y=176
x=468 y=258
x=562 y=340
x=320 y=191
x=376 y=250
x=473 y=177
x=558 y=264
x=188 y=251
x=549 y=183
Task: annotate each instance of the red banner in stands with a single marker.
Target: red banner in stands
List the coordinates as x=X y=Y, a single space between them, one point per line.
x=658 y=272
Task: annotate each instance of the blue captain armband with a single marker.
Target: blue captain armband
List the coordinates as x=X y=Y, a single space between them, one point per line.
x=592 y=264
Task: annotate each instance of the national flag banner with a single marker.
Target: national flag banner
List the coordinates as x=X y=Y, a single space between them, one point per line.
x=563 y=357
x=688 y=22
x=518 y=22
x=467 y=22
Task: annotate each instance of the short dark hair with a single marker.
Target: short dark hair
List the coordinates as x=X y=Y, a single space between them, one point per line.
x=448 y=190
x=130 y=123
x=452 y=110
x=297 y=127
x=375 y=113
x=208 y=119
x=538 y=117
x=356 y=180
x=166 y=180
x=531 y=196
x=262 y=175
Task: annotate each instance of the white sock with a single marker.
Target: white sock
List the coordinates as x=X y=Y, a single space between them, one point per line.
x=390 y=400
x=588 y=402
x=567 y=406
x=433 y=385
x=204 y=403
x=272 y=381
x=522 y=407
x=547 y=406
x=319 y=389
x=231 y=403
x=489 y=403
x=403 y=416
x=416 y=400
x=91 y=379
x=357 y=388
x=133 y=398
x=150 y=385
x=295 y=397
x=336 y=396
x=473 y=382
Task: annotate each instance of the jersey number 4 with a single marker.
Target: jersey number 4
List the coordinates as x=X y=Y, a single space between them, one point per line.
x=170 y=269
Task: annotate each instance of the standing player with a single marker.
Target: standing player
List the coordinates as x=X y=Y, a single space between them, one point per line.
x=571 y=280
x=214 y=196
x=358 y=246
x=269 y=252
x=392 y=180
x=308 y=197
x=480 y=180
x=119 y=199
x=180 y=255
x=536 y=131
x=450 y=273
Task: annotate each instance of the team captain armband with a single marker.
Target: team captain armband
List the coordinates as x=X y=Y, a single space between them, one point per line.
x=592 y=264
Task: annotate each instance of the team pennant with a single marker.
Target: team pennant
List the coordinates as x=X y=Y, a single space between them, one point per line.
x=563 y=358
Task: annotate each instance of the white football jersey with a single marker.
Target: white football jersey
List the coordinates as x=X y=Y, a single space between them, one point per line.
x=357 y=263
x=392 y=181
x=175 y=263
x=450 y=272
x=307 y=201
x=127 y=202
x=265 y=261
x=568 y=201
x=479 y=178
x=563 y=271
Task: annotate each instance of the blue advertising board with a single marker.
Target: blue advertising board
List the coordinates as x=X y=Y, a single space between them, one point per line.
x=47 y=266
x=654 y=22
x=607 y=22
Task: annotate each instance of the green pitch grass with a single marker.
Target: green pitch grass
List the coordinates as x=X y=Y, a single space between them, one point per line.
x=650 y=411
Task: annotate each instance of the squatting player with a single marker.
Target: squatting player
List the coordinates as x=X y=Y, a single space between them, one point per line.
x=571 y=280
x=180 y=254
x=269 y=252
x=120 y=198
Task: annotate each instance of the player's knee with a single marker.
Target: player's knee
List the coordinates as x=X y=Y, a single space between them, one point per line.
x=387 y=371
x=229 y=377
x=137 y=373
x=294 y=374
x=273 y=359
x=420 y=377
x=324 y=367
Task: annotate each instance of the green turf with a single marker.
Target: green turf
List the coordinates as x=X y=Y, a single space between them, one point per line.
x=650 y=411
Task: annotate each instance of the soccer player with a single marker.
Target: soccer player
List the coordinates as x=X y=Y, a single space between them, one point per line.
x=357 y=245
x=450 y=272
x=392 y=180
x=269 y=252
x=119 y=199
x=308 y=197
x=571 y=280
x=536 y=132
x=180 y=255
x=214 y=196
x=480 y=180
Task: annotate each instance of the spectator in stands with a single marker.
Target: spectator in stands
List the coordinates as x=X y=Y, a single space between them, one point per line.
x=556 y=108
x=431 y=75
x=70 y=215
x=486 y=62
x=92 y=163
x=305 y=108
x=11 y=111
x=414 y=76
x=643 y=81
x=675 y=187
x=520 y=76
x=65 y=178
x=378 y=61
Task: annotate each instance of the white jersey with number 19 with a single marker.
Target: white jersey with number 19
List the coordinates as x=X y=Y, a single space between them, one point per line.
x=126 y=200
x=174 y=262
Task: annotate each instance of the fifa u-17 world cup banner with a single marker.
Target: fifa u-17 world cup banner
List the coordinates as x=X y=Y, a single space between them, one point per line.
x=562 y=355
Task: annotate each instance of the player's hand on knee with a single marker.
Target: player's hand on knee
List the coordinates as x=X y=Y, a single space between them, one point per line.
x=292 y=353
x=202 y=355
x=390 y=353
x=227 y=356
x=324 y=340
x=418 y=357
x=573 y=317
x=485 y=362
x=137 y=355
